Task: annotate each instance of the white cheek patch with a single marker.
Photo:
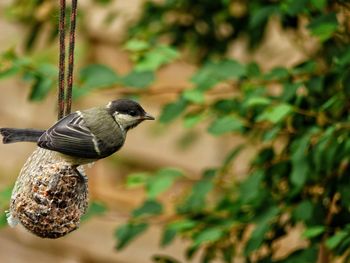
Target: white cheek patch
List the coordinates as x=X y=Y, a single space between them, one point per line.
x=124 y=117
x=124 y=120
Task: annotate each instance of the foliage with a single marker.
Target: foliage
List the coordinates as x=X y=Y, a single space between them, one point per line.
x=209 y=27
x=37 y=15
x=5 y=195
x=302 y=182
x=299 y=174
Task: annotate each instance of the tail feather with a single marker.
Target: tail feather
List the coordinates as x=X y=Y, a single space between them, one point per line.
x=11 y=135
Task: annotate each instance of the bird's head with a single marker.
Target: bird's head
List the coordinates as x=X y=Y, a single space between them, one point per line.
x=127 y=113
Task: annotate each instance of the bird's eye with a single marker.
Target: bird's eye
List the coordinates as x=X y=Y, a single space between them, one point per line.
x=132 y=113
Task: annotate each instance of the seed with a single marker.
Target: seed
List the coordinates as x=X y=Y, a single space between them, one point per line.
x=49 y=196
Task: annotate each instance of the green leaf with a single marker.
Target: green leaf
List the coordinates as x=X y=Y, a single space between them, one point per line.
x=268 y=215
x=187 y=139
x=343 y=247
x=277 y=73
x=300 y=172
x=156 y=58
x=271 y=134
x=5 y=195
x=233 y=154
x=9 y=71
x=191 y=251
x=191 y=119
x=226 y=124
x=173 y=110
x=11 y=64
x=194 y=95
x=226 y=106
x=44 y=80
x=326 y=150
x=164 y=259
x=294 y=7
x=257 y=101
x=215 y=72
x=253 y=70
x=265 y=155
x=321 y=151
x=40 y=88
x=330 y=102
x=183 y=224
x=137 y=179
x=300 y=164
x=228 y=253
x=324 y=26
x=290 y=91
x=305 y=255
x=3 y=219
x=95 y=209
x=174 y=228
x=103 y=2
x=346 y=82
x=208 y=235
x=95 y=77
x=250 y=188
x=98 y=76
x=168 y=236
x=256 y=238
x=315 y=84
x=197 y=199
x=138 y=79
x=149 y=207
x=319 y=4
x=343 y=188
x=161 y=181
x=308 y=66
x=303 y=211
x=276 y=114
x=128 y=232
x=261 y=15
x=314 y=231
x=135 y=45
x=335 y=240
x=262 y=227
x=343 y=59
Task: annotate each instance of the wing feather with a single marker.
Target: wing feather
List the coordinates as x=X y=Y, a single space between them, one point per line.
x=71 y=136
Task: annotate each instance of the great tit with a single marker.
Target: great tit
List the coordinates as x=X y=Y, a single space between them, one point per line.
x=87 y=135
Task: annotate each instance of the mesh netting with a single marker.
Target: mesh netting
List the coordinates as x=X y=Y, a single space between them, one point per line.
x=49 y=196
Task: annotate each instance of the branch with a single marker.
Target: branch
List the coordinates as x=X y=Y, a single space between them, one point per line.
x=323 y=253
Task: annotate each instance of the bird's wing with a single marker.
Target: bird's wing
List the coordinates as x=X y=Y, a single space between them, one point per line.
x=71 y=136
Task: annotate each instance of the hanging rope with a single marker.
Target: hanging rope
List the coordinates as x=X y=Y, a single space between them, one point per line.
x=62 y=50
x=73 y=19
x=65 y=93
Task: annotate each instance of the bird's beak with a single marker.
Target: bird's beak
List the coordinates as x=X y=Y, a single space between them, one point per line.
x=148 y=117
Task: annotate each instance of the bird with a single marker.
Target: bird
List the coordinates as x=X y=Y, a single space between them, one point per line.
x=85 y=136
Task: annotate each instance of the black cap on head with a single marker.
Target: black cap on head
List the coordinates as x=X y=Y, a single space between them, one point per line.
x=126 y=106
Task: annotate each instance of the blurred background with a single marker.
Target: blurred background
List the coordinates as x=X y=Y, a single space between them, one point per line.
x=247 y=160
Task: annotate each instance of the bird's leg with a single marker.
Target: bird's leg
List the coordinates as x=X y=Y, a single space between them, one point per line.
x=82 y=176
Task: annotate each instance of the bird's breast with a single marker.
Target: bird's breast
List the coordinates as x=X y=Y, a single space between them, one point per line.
x=108 y=136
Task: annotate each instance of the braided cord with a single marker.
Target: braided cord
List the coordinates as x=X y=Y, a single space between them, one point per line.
x=62 y=55
x=69 y=90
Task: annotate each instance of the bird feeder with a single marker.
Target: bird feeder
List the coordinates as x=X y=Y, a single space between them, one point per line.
x=49 y=197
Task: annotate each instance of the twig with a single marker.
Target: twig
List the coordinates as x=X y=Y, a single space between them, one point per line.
x=323 y=253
